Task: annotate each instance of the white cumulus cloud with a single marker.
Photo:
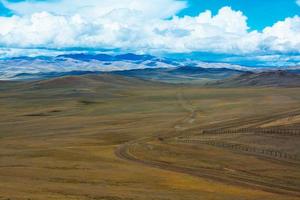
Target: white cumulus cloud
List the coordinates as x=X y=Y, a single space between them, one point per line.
x=140 y=26
x=283 y=36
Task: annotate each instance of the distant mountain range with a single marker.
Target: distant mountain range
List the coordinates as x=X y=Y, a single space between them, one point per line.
x=107 y=57
x=142 y=66
x=85 y=84
x=145 y=67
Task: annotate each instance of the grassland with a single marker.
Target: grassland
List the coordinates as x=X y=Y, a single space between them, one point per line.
x=111 y=138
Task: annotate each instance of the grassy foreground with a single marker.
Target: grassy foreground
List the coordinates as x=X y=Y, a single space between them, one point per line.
x=61 y=141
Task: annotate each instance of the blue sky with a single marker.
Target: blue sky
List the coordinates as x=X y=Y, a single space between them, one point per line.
x=260 y=13
x=4 y=11
x=266 y=30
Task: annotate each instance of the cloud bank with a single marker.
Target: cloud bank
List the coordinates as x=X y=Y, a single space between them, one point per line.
x=96 y=8
x=141 y=26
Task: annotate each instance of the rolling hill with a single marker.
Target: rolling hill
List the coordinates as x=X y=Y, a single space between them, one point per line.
x=89 y=81
x=186 y=74
x=262 y=79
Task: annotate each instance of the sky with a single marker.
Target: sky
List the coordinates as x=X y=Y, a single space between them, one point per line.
x=264 y=30
x=260 y=13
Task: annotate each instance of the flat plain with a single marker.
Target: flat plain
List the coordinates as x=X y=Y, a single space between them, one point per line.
x=114 y=138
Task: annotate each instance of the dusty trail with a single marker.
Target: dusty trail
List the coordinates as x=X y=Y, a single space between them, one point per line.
x=123 y=152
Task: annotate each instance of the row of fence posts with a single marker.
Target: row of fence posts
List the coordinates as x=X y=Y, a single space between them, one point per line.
x=240 y=147
x=292 y=132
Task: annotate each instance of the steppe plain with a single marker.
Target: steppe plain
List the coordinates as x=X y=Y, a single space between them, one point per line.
x=103 y=137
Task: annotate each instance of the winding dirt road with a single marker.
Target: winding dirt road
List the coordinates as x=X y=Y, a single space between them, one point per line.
x=123 y=152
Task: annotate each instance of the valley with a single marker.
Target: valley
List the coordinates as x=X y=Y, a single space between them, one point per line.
x=112 y=137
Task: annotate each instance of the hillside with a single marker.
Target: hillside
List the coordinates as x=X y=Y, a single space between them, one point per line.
x=90 y=81
x=263 y=79
x=90 y=86
x=186 y=74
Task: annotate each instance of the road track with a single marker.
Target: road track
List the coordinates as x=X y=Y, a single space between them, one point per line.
x=123 y=152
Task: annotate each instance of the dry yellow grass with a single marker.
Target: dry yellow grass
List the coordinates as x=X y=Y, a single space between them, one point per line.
x=60 y=143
